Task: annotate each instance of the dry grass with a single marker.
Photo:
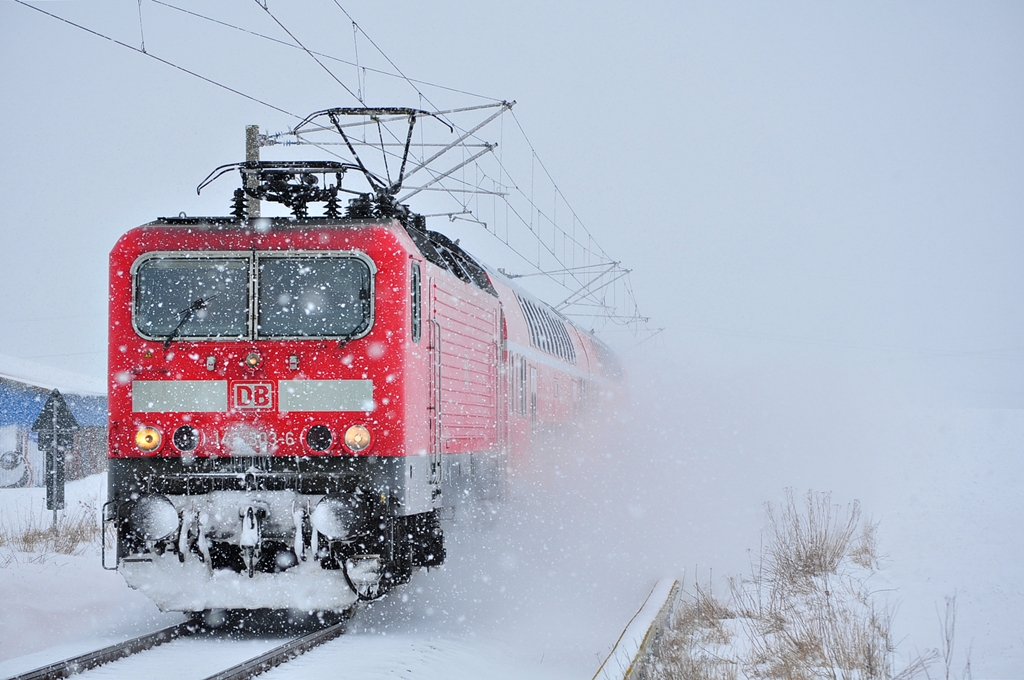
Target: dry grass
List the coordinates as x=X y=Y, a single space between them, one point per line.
x=692 y=643
x=948 y=639
x=820 y=634
x=804 y=612
x=808 y=542
x=76 y=529
x=864 y=551
x=808 y=613
x=703 y=612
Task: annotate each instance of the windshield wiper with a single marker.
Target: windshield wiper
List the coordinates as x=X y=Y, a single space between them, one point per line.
x=187 y=314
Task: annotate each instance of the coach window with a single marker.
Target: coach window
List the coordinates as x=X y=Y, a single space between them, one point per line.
x=416 y=301
x=314 y=296
x=178 y=297
x=533 y=395
x=521 y=387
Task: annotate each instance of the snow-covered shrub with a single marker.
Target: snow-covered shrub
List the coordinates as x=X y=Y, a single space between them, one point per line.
x=805 y=612
x=805 y=543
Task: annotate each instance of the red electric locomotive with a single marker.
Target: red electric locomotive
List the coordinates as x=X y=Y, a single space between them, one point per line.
x=296 y=401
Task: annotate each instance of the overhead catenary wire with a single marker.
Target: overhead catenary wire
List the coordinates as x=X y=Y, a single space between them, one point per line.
x=298 y=42
x=584 y=268
x=142 y=31
x=329 y=57
x=360 y=75
x=558 y=191
x=211 y=81
x=386 y=57
x=565 y=241
x=535 y=210
x=591 y=267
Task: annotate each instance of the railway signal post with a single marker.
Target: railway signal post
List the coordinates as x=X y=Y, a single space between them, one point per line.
x=56 y=426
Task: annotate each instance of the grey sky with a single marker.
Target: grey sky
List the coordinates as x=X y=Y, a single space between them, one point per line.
x=832 y=184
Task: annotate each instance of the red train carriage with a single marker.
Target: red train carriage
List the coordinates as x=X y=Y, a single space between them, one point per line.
x=294 y=402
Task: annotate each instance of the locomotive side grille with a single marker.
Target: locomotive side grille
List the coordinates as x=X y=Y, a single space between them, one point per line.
x=468 y=372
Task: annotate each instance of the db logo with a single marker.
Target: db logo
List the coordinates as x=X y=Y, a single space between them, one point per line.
x=253 y=395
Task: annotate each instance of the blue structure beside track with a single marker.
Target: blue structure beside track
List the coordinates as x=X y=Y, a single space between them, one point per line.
x=21 y=462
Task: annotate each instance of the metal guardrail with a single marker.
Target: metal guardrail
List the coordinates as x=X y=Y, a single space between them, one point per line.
x=640 y=633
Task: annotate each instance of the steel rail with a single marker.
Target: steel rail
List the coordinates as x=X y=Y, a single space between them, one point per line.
x=84 y=662
x=281 y=654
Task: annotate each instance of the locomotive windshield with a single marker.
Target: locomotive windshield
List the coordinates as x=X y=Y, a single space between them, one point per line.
x=192 y=297
x=208 y=297
x=313 y=297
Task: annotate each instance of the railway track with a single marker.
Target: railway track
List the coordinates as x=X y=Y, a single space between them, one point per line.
x=240 y=671
x=624 y=662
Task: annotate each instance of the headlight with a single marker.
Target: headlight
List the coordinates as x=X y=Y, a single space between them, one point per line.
x=154 y=518
x=148 y=439
x=357 y=437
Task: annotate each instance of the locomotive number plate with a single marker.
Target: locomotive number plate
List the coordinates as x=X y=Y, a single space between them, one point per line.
x=248 y=441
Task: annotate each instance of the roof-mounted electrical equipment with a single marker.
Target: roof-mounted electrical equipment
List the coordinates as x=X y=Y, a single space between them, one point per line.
x=292 y=183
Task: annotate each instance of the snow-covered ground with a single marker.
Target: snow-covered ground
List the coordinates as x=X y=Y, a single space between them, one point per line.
x=954 y=530
x=56 y=606
x=504 y=606
x=544 y=590
x=943 y=480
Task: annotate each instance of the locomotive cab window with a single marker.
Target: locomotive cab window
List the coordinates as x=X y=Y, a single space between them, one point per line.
x=192 y=297
x=179 y=296
x=314 y=296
